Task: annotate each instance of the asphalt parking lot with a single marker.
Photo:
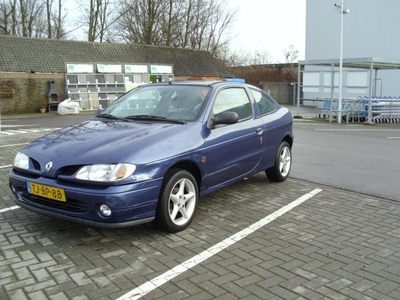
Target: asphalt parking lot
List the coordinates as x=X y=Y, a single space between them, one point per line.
x=252 y=240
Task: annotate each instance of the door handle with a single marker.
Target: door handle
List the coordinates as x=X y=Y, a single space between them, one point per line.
x=259 y=130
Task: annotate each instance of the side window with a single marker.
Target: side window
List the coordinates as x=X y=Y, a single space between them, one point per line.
x=264 y=103
x=233 y=99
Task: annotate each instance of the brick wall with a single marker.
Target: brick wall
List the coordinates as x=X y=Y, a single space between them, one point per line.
x=22 y=92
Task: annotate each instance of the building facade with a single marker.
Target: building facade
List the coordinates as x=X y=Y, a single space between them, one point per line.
x=370 y=30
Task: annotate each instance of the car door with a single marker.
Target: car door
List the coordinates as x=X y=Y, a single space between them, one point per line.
x=273 y=128
x=233 y=150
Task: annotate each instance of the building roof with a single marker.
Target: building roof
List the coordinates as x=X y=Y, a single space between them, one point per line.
x=20 y=54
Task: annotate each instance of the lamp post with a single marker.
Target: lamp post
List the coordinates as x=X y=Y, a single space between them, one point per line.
x=342 y=12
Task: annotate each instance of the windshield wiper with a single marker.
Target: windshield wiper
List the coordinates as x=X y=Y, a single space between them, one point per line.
x=152 y=117
x=149 y=117
x=107 y=116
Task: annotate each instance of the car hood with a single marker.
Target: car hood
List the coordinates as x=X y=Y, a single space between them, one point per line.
x=104 y=141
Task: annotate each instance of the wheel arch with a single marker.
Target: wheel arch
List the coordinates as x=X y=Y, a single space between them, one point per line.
x=189 y=166
x=289 y=140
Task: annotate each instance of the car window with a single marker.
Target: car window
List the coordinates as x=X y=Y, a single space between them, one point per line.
x=233 y=99
x=265 y=104
x=172 y=102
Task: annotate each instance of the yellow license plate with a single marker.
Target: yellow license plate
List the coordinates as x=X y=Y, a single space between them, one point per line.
x=47 y=191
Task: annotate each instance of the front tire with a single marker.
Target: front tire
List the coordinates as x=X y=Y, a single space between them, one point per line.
x=283 y=163
x=177 y=202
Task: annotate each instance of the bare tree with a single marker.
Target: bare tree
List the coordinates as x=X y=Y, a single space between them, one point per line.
x=93 y=20
x=139 y=22
x=291 y=54
x=232 y=58
x=99 y=17
x=30 y=18
x=194 y=24
x=260 y=58
x=9 y=18
x=5 y=16
x=235 y=58
x=169 y=20
x=49 y=4
x=59 y=22
x=219 y=20
x=55 y=19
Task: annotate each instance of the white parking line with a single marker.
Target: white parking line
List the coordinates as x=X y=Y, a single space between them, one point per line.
x=25 y=131
x=11 y=126
x=6 y=133
x=8 y=209
x=6 y=166
x=356 y=129
x=11 y=131
x=194 y=261
x=11 y=145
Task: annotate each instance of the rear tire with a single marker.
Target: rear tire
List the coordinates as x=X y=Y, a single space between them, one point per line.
x=283 y=163
x=177 y=202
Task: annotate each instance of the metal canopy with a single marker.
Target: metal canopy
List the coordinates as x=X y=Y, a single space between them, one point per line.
x=371 y=63
x=378 y=63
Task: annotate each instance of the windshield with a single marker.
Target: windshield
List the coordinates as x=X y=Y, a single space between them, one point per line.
x=166 y=102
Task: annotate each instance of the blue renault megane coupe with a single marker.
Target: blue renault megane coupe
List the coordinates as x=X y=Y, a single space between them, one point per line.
x=152 y=153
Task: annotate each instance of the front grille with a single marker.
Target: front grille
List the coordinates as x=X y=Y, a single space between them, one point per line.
x=68 y=170
x=71 y=205
x=36 y=164
x=26 y=173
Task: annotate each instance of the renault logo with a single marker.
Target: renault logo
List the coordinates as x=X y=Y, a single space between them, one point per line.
x=49 y=166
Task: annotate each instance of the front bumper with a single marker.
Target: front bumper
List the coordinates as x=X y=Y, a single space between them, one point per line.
x=129 y=204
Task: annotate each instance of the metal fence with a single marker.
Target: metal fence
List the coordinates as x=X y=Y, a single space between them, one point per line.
x=383 y=109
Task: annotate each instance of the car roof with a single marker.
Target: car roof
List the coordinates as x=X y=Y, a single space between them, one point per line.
x=200 y=83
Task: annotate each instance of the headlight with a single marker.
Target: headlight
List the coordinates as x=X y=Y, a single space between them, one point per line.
x=21 y=161
x=106 y=173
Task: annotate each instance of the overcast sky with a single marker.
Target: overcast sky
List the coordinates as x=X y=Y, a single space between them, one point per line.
x=270 y=26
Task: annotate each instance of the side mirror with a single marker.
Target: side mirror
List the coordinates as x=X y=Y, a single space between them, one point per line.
x=226 y=117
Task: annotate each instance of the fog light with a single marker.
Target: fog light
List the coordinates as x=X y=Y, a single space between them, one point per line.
x=105 y=210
